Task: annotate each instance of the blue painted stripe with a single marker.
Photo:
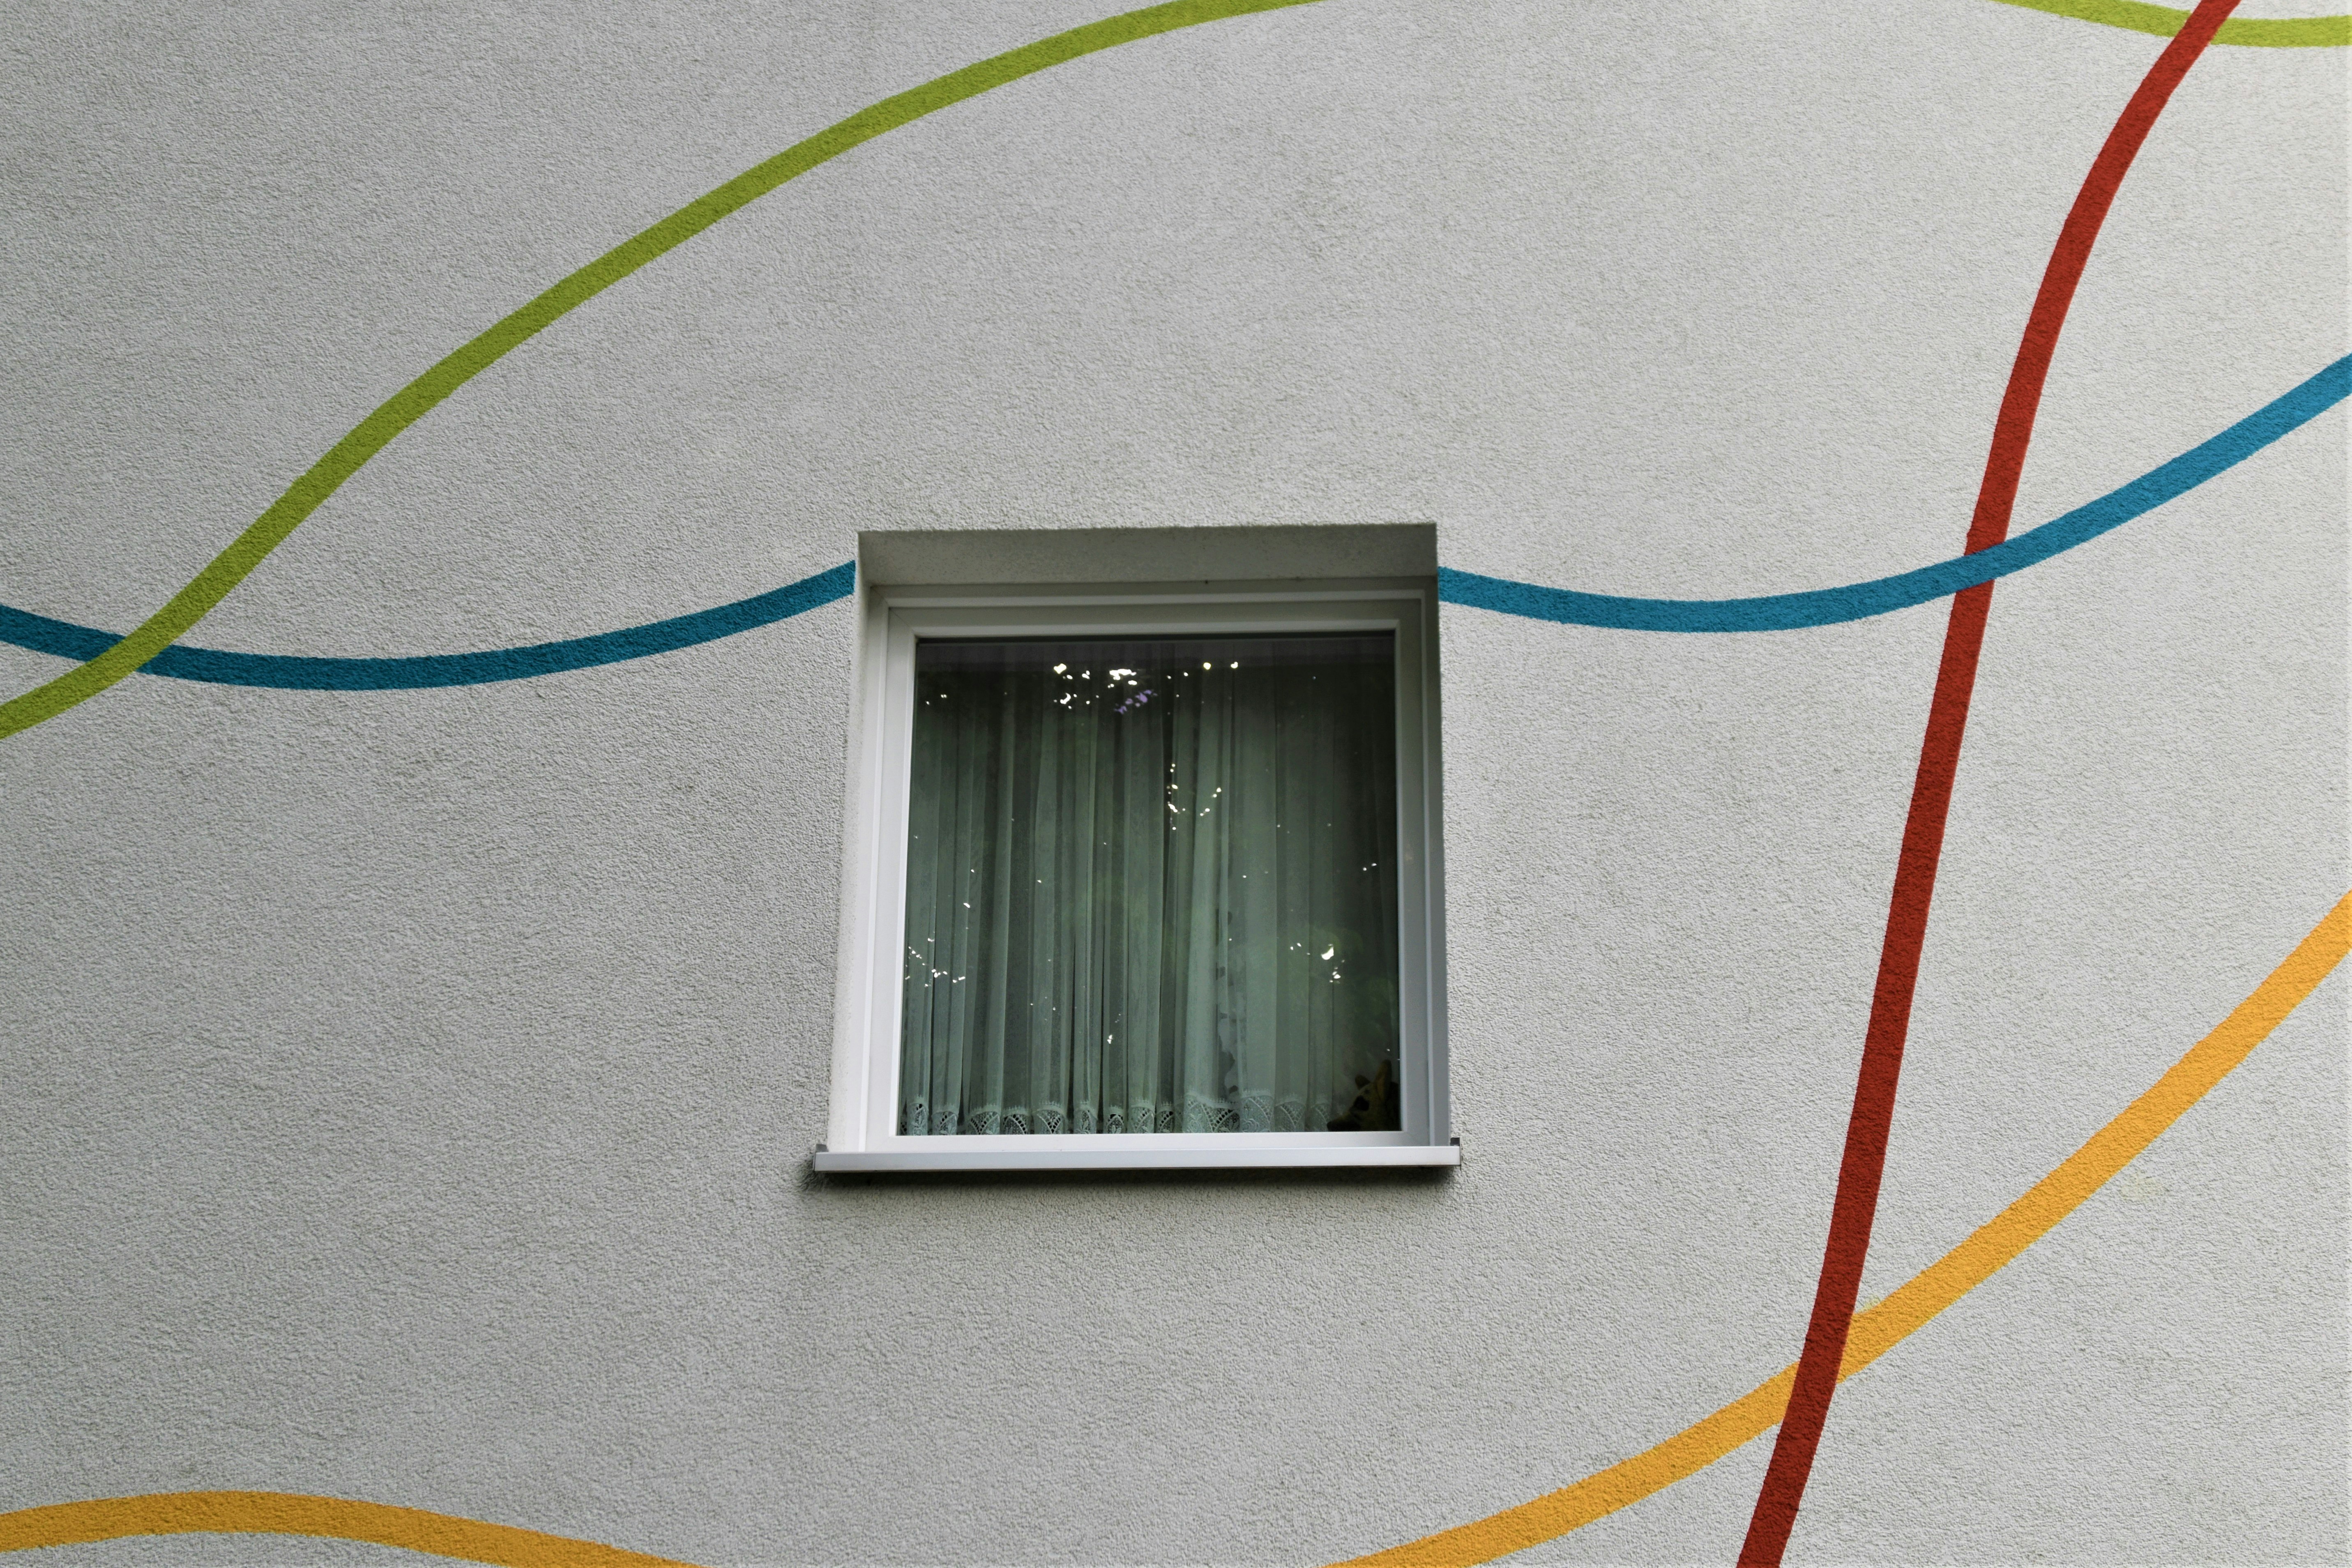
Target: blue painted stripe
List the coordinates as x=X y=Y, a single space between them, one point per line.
x=1827 y=606
x=1771 y=612
x=295 y=672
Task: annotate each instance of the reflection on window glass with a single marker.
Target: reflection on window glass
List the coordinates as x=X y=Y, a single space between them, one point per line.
x=1151 y=887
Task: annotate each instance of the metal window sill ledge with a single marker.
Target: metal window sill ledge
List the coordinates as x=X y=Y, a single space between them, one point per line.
x=1134 y=1159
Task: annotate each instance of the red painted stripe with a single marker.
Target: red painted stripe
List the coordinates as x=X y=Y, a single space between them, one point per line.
x=1865 y=1161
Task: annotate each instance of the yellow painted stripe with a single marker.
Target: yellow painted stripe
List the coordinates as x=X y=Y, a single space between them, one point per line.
x=1936 y=1287
x=286 y=1513
x=2257 y=32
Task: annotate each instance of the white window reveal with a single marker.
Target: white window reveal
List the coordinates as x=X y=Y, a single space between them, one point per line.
x=1143 y=877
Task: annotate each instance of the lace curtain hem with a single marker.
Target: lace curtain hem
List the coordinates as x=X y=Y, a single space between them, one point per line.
x=1251 y=1114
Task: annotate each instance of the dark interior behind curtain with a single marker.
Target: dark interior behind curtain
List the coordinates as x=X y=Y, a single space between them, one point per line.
x=1151 y=887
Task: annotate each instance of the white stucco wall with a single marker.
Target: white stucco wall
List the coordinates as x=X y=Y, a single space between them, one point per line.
x=408 y=1095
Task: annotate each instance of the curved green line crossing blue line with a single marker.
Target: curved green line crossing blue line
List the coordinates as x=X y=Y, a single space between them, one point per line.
x=130 y=654
x=1773 y=612
x=296 y=672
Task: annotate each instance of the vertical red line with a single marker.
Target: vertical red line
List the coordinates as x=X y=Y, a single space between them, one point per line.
x=1865 y=1161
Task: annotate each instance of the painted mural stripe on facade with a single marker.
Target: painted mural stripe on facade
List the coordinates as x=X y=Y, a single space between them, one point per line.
x=1862 y=1164
x=1920 y=1299
x=1878 y=596
x=2257 y=32
x=1992 y=1246
x=413 y=402
x=292 y=1513
x=1774 y=612
x=299 y=672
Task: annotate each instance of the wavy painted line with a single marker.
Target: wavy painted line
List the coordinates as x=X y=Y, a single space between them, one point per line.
x=298 y=672
x=1827 y=606
x=2257 y=32
x=1774 y=612
x=411 y=403
x=1875 y=1331
x=1863 y=1162
x=1920 y=1299
x=289 y=1513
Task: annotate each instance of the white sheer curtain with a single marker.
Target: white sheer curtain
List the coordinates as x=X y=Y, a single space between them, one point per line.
x=1151 y=887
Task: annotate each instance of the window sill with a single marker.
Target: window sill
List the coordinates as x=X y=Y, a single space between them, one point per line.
x=1130 y=1158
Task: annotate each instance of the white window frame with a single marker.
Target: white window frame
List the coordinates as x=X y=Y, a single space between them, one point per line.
x=863 y=1134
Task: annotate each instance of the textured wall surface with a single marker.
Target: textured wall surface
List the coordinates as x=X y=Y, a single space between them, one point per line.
x=408 y=1095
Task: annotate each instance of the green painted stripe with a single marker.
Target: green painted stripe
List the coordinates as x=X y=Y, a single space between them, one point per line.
x=412 y=402
x=2257 y=32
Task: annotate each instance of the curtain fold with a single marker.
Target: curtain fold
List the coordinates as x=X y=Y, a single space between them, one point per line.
x=1151 y=887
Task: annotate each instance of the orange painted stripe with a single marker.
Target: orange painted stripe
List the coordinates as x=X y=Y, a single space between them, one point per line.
x=1935 y=1287
x=287 y=1514
x=1749 y=1416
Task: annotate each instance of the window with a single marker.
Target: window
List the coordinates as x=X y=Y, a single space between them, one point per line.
x=1141 y=873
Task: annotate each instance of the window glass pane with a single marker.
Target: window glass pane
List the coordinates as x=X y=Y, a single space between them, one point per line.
x=1151 y=887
